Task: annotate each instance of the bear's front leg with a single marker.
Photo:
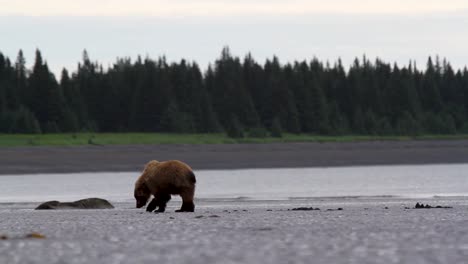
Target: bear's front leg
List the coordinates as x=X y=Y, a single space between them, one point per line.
x=162 y=202
x=152 y=205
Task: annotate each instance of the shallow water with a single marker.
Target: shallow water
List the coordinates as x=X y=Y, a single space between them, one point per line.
x=417 y=181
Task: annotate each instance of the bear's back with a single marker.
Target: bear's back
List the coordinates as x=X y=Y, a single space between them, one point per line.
x=170 y=174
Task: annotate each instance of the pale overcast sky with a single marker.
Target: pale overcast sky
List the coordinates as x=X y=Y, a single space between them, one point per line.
x=394 y=30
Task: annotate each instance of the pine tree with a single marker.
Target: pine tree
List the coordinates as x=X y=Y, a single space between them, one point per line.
x=235 y=97
x=230 y=97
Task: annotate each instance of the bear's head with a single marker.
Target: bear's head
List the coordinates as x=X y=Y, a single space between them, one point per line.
x=142 y=195
x=142 y=192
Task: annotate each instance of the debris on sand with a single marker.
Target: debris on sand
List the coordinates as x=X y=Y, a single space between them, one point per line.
x=339 y=209
x=31 y=235
x=305 y=209
x=427 y=206
x=89 y=203
x=35 y=235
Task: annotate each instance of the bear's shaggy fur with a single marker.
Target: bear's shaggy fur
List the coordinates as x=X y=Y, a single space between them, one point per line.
x=161 y=179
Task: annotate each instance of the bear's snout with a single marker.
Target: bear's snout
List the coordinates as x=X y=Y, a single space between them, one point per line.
x=140 y=202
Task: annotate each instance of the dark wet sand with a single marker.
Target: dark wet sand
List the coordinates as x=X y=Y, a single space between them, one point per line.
x=26 y=160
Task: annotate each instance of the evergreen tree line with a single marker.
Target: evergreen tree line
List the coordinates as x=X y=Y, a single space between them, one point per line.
x=237 y=96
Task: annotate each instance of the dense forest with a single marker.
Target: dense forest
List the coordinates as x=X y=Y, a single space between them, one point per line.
x=238 y=96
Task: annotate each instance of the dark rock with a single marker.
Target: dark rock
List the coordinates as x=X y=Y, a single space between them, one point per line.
x=48 y=205
x=427 y=206
x=339 y=209
x=264 y=229
x=304 y=209
x=90 y=203
x=213 y=216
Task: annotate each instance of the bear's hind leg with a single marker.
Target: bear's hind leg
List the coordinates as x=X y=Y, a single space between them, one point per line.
x=187 y=202
x=187 y=207
x=162 y=202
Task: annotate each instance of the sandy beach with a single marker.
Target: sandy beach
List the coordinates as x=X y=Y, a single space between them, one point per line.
x=365 y=231
x=27 y=160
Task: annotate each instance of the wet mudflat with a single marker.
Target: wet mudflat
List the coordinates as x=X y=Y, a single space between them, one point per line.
x=118 y=158
x=376 y=230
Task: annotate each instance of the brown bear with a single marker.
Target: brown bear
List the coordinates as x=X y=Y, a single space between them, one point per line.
x=161 y=179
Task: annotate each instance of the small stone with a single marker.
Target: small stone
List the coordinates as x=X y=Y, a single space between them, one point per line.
x=213 y=216
x=199 y=216
x=3 y=237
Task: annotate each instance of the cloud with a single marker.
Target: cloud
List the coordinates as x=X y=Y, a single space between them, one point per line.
x=217 y=8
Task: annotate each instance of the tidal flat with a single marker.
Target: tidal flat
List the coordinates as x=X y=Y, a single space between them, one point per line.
x=366 y=230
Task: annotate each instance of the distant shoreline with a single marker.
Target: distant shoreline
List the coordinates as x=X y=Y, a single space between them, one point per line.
x=120 y=158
